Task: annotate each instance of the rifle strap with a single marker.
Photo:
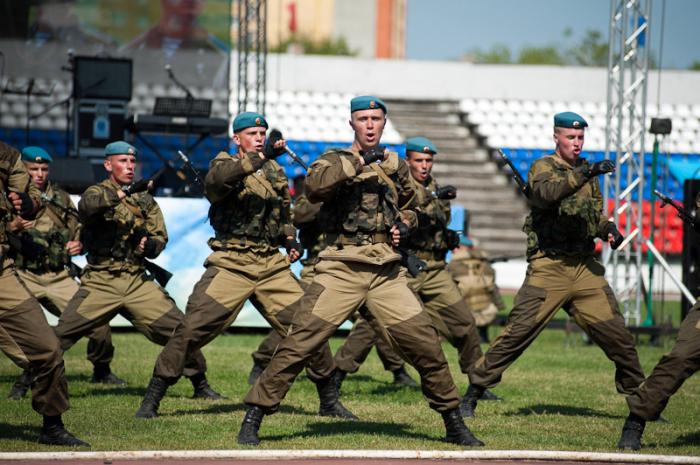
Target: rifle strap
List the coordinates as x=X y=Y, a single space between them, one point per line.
x=390 y=184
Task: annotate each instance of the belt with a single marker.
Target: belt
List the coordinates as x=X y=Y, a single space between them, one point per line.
x=358 y=239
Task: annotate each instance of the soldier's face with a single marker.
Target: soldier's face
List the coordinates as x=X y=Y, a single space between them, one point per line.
x=569 y=143
x=420 y=165
x=368 y=126
x=250 y=139
x=121 y=168
x=39 y=173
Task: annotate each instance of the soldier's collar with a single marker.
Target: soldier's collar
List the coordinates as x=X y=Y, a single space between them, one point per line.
x=558 y=159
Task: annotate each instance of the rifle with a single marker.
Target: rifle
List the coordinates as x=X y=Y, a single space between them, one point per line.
x=195 y=173
x=413 y=264
x=522 y=185
x=683 y=214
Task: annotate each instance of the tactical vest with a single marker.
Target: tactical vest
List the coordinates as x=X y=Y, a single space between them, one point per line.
x=569 y=227
x=116 y=235
x=45 y=250
x=254 y=209
x=362 y=207
x=433 y=220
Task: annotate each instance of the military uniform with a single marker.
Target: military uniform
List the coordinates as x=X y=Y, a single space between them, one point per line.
x=648 y=401
x=45 y=273
x=114 y=280
x=476 y=280
x=251 y=216
x=565 y=218
x=359 y=266
x=362 y=337
x=22 y=324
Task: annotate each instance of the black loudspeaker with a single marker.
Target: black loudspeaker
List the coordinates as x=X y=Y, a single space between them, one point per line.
x=77 y=174
x=691 y=246
x=97 y=123
x=102 y=78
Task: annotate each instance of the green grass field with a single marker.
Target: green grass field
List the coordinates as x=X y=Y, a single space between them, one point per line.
x=559 y=396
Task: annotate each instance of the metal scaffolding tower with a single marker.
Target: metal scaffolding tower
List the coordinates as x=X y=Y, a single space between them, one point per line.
x=628 y=65
x=251 y=21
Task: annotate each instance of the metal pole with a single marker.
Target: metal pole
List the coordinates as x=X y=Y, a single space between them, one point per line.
x=664 y=264
x=649 y=320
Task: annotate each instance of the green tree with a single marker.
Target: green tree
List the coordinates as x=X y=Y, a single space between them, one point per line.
x=591 y=51
x=694 y=66
x=307 y=46
x=547 y=55
x=498 y=54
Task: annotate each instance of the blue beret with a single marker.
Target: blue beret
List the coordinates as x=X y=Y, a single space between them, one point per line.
x=420 y=144
x=36 y=155
x=366 y=102
x=120 y=148
x=248 y=119
x=569 y=119
x=464 y=240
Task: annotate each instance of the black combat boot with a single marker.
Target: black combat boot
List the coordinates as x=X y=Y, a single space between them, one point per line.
x=402 y=378
x=202 y=390
x=456 y=431
x=330 y=405
x=102 y=374
x=151 y=400
x=489 y=395
x=338 y=378
x=54 y=433
x=468 y=403
x=631 y=437
x=21 y=386
x=255 y=372
x=248 y=435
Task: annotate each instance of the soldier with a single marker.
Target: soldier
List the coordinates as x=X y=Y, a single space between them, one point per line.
x=648 y=401
x=49 y=241
x=250 y=214
x=122 y=228
x=362 y=334
x=565 y=218
x=25 y=331
x=471 y=269
x=363 y=223
x=430 y=242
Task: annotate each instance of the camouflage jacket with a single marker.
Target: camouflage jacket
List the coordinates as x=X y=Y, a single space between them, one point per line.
x=360 y=204
x=565 y=209
x=52 y=229
x=433 y=218
x=250 y=202
x=113 y=228
x=311 y=234
x=475 y=278
x=13 y=178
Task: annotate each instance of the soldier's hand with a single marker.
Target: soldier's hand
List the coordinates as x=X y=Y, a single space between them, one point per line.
x=274 y=145
x=399 y=232
x=22 y=203
x=615 y=238
x=149 y=248
x=601 y=167
x=373 y=154
x=19 y=224
x=139 y=186
x=74 y=247
x=294 y=249
x=446 y=192
x=141 y=245
x=451 y=238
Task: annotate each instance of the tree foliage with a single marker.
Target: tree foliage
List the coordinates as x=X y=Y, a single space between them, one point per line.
x=307 y=46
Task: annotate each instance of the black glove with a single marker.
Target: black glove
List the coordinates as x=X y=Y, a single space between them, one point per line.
x=617 y=236
x=26 y=209
x=403 y=230
x=269 y=150
x=414 y=264
x=373 y=154
x=149 y=248
x=293 y=244
x=451 y=239
x=138 y=186
x=601 y=167
x=446 y=192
